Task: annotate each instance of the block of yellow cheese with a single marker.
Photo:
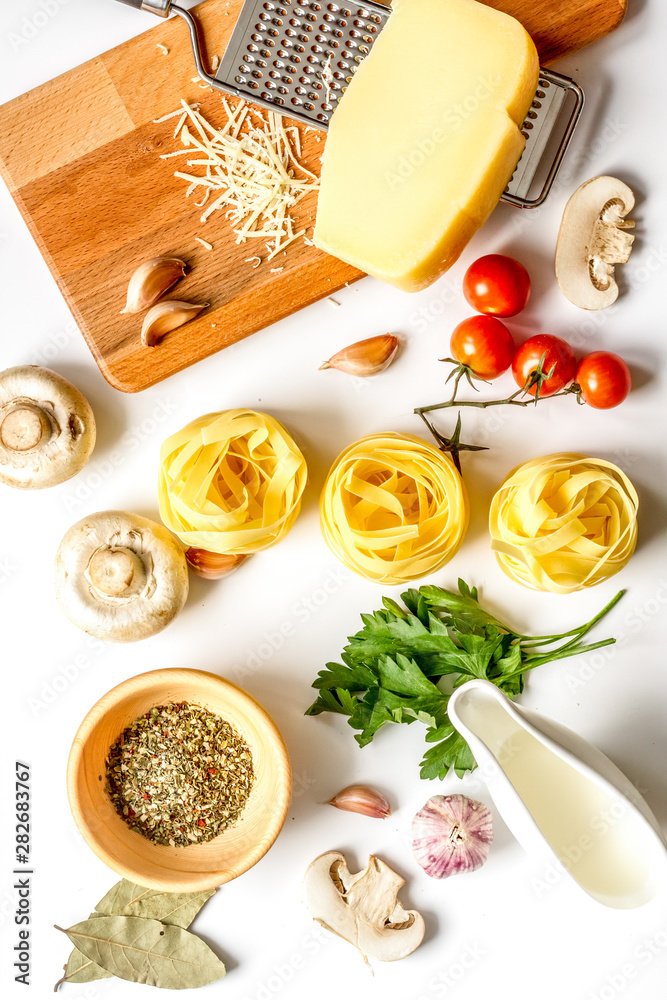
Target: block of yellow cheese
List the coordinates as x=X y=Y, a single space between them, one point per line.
x=425 y=139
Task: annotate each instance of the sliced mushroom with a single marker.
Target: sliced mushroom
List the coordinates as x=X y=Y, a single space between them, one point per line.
x=362 y=908
x=120 y=576
x=47 y=428
x=593 y=238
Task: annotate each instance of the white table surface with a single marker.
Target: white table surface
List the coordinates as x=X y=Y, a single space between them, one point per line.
x=509 y=929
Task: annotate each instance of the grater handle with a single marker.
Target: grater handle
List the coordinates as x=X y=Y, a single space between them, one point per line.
x=159 y=7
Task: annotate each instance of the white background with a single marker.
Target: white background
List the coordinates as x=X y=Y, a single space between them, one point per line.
x=503 y=930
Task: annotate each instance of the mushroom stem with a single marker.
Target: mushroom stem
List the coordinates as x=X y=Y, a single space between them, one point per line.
x=25 y=427
x=113 y=571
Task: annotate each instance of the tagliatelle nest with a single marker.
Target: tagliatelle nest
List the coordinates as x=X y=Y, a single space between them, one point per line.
x=393 y=508
x=231 y=482
x=564 y=522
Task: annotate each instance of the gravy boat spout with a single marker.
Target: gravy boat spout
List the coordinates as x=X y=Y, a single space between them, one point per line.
x=562 y=798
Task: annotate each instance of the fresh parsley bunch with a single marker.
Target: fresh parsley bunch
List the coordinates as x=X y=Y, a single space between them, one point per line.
x=391 y=668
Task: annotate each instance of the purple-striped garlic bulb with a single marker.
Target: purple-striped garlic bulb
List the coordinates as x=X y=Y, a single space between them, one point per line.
x=451 y=834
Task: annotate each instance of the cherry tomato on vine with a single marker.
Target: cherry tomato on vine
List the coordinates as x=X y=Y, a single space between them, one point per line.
x=484 y=344
x=497 y=285
x=556 y=352
x=604 y=380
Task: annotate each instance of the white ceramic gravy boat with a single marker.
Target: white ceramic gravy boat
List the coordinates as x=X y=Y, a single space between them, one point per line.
x=562 y=798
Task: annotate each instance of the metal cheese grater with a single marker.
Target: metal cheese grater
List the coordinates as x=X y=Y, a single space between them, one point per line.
x=297 y=57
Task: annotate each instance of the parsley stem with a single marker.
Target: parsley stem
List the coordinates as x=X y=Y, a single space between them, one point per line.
x=559 y=654
x=537 y=640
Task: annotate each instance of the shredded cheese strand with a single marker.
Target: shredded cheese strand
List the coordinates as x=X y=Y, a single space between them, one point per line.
x=255 y=175
x=393 y=508
x=564 y=522
x=231 y=482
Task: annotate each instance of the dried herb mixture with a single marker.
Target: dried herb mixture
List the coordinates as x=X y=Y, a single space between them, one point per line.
x=179 y=775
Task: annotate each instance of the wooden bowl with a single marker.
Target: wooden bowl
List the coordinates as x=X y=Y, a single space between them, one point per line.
x=199 y=866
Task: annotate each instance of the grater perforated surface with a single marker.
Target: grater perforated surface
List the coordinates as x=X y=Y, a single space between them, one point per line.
x=299 y=56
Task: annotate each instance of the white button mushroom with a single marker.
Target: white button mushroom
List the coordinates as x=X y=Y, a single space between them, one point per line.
x=47 y=428
x=362 y=908
x=120 y=576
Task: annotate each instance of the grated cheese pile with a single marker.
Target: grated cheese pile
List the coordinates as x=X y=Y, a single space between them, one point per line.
x=249 y=168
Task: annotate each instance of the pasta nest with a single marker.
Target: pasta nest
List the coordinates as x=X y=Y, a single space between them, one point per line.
x=393 y=508
x=564 y=522
x=231 y=482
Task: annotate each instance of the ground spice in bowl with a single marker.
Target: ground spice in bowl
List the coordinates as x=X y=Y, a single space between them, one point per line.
x=179 y=775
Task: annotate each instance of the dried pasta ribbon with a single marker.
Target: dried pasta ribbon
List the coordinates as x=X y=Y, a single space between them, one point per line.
x=564 y=522
x=393 y=508
x=231 y=482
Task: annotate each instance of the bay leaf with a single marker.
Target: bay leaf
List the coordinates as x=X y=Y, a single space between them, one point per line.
x=142 y=950
x=80 y=969
x=131 y=900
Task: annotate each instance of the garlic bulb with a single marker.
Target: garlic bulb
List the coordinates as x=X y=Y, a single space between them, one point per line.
x=451 y=834
x=362 y=799
x=367 y=357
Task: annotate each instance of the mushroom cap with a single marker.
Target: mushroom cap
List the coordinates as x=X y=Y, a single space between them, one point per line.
x=363 y=908
x=120 y=576
x=47 y=428
x=593 y=237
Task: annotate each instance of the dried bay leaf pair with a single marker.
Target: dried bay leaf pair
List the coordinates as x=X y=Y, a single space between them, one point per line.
x=141 y=935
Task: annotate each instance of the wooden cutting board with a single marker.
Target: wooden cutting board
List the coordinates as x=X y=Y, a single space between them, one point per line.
x=80 y=156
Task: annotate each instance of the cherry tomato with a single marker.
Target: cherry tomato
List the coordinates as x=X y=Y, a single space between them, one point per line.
x=556 y=352
x=497 y=285
x=484 y=344
x=604 y=379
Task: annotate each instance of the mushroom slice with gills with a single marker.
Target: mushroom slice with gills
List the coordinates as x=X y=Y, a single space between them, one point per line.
x=47 y=428
x=120 y=577
x=363 y=908
x=594 y=238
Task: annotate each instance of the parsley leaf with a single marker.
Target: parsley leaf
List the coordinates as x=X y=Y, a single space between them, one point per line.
x=391 y=669
x=450 y=751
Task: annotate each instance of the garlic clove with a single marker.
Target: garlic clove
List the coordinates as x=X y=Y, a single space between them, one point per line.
x=365 y=358
x=151 y=280
x=167 y=316
x=362 y=799
x=451 y=834
x=213 y=565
